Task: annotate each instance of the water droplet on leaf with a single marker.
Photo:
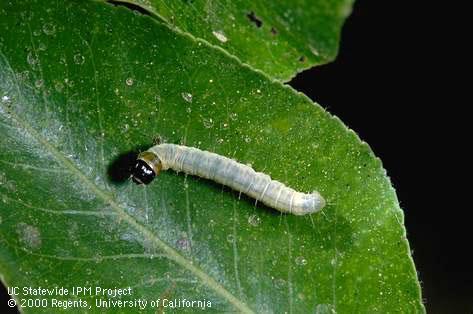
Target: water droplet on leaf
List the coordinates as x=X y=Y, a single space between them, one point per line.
x=208 y=123
x=78 y=58
x=187 y=97
x=301 y=261
x=129 y=81
x=231 y=238
x=254 y=220
x=38 y=83
x=32 y=59
x=49 y=29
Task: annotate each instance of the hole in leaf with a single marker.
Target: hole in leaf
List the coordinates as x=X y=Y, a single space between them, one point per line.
x=254 y=19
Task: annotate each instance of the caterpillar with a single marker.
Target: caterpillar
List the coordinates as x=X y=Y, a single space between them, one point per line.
x=226 y=171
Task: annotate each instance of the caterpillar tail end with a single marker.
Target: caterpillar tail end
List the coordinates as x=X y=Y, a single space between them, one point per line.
x=319 y=201
x=146 y=168
x=307 y=204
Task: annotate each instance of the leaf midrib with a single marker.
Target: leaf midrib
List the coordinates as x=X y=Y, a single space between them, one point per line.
x=122 y=215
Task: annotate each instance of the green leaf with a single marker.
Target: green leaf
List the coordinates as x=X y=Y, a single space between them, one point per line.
x=279 y=38
x=84 y=84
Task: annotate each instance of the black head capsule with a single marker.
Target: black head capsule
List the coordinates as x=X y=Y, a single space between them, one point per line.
x=146 y=168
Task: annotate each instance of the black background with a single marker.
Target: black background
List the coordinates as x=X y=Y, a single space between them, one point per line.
x=389 y=84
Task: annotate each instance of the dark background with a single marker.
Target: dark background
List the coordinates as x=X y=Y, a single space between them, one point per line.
x=389 y=84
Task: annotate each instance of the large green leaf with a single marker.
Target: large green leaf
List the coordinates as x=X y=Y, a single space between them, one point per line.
x=84 y=84
x=280 y=38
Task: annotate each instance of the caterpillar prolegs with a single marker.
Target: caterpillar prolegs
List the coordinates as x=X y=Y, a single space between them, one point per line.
x=226 y=171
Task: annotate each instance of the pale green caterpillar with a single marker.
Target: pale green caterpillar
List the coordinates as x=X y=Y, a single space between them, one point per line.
x=226 y=171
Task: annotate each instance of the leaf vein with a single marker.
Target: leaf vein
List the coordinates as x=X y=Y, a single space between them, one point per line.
x=123 y=216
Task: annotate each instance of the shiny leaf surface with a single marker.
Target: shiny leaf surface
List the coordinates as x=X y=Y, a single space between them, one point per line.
x=85 y=85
